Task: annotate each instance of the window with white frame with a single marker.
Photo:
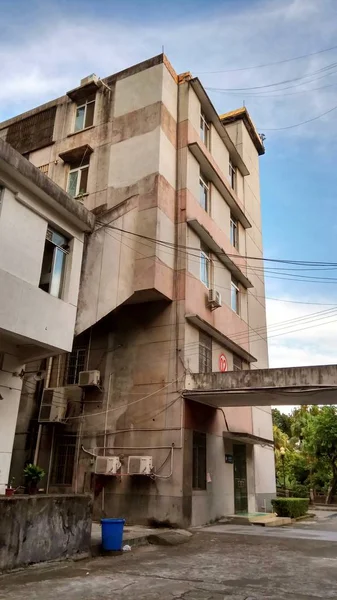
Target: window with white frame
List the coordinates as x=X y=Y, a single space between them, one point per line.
x=235 y=297
x=204 y=130
x=78 y=178
x=85 y=114
x=205 y=265
x=53 y=264
x=232 y=175
x=204 y=195
x=234 y=238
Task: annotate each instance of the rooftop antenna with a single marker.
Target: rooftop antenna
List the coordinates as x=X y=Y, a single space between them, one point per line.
x=162 y=49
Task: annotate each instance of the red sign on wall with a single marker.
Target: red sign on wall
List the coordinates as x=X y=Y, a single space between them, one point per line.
x=223 y=363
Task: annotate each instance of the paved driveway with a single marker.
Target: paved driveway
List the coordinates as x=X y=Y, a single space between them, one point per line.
x=221 y=562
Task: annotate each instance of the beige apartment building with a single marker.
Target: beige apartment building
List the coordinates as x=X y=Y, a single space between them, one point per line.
x=166 y=290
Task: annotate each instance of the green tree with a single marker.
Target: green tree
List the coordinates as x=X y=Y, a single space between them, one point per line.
x=282 y=421
x=320 y=441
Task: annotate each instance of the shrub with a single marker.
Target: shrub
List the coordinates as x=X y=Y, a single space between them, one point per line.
x=290 y=507
x=300 y=491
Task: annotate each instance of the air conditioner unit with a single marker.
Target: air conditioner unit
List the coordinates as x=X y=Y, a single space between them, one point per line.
x=53 y=405
x=107 y=465
x=214 y=298
x=89 y=79
x=89 y=378
x=140 y=465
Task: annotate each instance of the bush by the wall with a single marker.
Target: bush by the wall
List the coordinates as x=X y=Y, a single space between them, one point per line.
x=290 y=507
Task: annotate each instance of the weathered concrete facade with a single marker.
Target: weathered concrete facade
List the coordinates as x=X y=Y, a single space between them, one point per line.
x=175 y=192
x=35 y=529
x=33 y=324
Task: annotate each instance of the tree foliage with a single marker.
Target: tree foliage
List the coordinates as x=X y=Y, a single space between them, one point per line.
x=309 y=460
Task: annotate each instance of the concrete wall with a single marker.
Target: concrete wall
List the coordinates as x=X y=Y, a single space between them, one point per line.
x=38 y=528
x=10 y=390
x=28 y=311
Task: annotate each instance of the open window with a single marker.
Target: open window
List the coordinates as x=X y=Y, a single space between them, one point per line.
x=77 y=160
x=55 y=252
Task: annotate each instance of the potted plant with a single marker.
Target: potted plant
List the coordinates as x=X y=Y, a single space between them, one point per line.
x=9 y=491
x=33 y=475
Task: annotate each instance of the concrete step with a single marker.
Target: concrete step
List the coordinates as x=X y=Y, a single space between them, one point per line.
x=263 y=520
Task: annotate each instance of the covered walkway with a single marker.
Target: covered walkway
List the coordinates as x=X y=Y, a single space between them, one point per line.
x=265 y=387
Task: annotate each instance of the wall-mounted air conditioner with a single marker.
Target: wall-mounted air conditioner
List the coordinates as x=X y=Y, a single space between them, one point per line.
x=53 y=405
x=89 y=378
x=140 y=465
x=107 y=465
x=214 y=299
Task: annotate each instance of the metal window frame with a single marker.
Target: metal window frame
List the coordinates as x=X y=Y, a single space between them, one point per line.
x=235 y=285
x=78 y=170
x=61 y=466
x=205 y=352
x=205 y=128
x=204 y=183
x=205 y=254
x=232 y=175
x=85 y=105
x=65 y=251
x=76 y=366
x=234 y=227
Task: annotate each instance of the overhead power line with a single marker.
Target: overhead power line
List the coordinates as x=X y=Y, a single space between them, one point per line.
x=325 y=69
x=277 y=62
x=327 y=112
x=185 y=247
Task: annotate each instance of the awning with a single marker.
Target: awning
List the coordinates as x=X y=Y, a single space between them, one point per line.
x=247 y=438
x=76 y=154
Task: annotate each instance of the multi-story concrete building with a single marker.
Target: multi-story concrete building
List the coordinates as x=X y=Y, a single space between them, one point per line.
x=167 y=289
x=41 y=244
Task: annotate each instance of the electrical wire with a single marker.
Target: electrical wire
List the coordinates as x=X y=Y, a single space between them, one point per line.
x=327 y=112
x=277 y=62
x=324 y=69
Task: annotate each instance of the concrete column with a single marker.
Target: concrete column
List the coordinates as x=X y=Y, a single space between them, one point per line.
x=10 y=391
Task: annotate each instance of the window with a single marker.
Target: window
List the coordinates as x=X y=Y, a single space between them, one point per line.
x=199 y=461
x=64 y=461
x=53 y=264
x=204 y=129
x=76 y=364
x=204 y=193
x=205 y=353
x=78 y=178
x=234 y=232
x=232 y=175
x=205 y=266
x=235 y=296
x=237 y=363
x=85 y=114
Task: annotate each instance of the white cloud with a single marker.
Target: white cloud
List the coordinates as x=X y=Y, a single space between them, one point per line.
x=58 y=51
x=308 y=337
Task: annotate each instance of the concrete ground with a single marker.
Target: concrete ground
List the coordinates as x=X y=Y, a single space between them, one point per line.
x=221 y=562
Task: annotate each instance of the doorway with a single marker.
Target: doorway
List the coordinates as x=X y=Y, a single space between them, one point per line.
x=240 y=479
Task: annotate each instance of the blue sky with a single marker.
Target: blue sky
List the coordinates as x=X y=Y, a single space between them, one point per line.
x=47 y=47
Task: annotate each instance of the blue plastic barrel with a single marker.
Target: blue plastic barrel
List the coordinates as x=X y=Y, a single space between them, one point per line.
x=112 y=533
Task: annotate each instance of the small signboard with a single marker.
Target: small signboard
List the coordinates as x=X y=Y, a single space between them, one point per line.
x=229 y=458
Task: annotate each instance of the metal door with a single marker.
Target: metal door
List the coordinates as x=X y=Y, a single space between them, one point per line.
x=240 y=479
